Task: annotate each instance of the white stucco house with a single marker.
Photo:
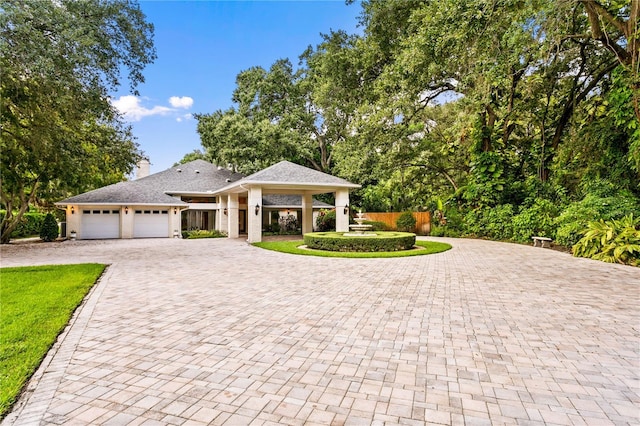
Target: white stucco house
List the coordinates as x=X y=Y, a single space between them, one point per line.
x=201 y=195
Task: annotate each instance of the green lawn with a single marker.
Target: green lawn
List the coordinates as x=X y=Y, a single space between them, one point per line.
x=426 y=247
x=35 y=305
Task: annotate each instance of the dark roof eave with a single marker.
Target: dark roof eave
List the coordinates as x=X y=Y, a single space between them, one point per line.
x=119 y=203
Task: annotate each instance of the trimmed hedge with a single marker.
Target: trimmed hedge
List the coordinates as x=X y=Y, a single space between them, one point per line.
x=29 y=225
x=336 y=241
x=198 y=234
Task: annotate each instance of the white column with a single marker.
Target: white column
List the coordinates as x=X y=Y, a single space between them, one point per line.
x=307 y=213
x=175 y=224
x=254 y=221
x=222 y=217
x=233 y=221
x=126 y=221
x=73 y=220
x=342 y=218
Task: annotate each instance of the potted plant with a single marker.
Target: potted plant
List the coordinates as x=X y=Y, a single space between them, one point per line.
x=73 y=235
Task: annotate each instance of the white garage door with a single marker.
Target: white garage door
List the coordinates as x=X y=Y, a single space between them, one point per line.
x=100 y=224
x=151 y=224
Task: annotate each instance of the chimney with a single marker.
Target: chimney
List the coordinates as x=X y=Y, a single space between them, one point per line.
x=142 y=168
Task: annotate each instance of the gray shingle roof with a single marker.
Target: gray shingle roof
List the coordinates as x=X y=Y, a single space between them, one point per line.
x=195 y=176
x=286 y=171
x=200 y=176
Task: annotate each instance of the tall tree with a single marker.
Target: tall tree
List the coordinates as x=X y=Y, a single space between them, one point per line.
x=520 y=69
x=266 y=124
x=59 y=61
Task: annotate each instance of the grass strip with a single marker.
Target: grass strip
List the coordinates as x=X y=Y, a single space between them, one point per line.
x=36 y=303
x=292 y=247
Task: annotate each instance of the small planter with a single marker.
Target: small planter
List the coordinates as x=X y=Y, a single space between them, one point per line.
x=72 y=235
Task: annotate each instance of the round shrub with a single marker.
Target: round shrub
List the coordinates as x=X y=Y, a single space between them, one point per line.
x=406 y=222
x=49 y=229
x=336 y=241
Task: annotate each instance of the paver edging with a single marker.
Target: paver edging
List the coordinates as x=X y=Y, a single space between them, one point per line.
x=55 y=359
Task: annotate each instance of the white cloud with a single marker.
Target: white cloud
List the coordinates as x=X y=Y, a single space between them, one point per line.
x=131 y=108
x=184 y=117
x=181 y=102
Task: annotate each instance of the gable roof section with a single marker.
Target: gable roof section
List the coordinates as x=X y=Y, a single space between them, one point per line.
x=289 y=175
x=199 y=176
x=287 y=172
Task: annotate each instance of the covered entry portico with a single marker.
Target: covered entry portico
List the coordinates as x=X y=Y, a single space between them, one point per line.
x=281 y=178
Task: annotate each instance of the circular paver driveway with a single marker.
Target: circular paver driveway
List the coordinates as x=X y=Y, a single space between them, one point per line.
x=217 y=331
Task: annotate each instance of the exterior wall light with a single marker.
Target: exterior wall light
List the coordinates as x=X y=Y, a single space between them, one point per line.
x=257 y=209
x=346 y=208
x=175 y=210
x=224 y=211
x=72 y=210
x=126 y=210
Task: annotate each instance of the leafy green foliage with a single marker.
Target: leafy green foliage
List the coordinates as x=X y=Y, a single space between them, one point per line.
x=49 y=229
x=602 y=201
x=383 y=241
x=406 y=222
x=29 y=224
x=201 y=233
x=495 y=223
x=60 y=133
x=326 y=220
x=537 y=220
x=613 y=241
x=37 y=303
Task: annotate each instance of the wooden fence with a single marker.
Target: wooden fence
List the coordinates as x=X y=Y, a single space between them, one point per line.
x=423 y=220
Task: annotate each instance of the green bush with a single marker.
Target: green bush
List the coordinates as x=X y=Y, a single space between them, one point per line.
x=49 y=228
x=406 y=222
x=336 y=241
x=614 y=241
x=326 y=221
x=573 y=221
x=444 y=231
x=537 y=220
x=437 y=230
x=29 y=226
x=193 y=235
x=491 y=222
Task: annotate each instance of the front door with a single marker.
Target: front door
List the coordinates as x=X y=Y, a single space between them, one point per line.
x=242 y=221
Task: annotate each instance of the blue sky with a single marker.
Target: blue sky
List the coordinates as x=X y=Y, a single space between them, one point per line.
x=202 y=46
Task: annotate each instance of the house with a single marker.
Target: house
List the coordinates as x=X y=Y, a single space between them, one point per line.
x=201 y=195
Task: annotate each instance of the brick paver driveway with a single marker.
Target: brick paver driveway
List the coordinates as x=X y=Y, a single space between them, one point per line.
x=217 y=331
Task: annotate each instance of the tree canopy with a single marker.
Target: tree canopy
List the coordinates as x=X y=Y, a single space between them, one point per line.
x=468 y=101
x=59 y=61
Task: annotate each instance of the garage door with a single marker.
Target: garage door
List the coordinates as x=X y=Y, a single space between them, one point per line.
x=151 y=224
x=100 y=224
